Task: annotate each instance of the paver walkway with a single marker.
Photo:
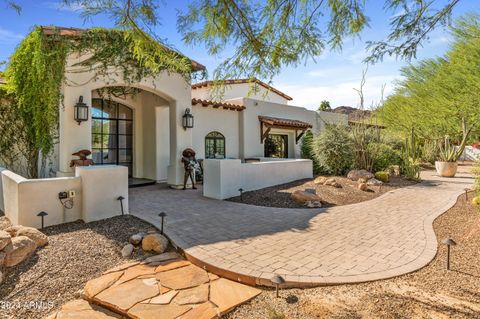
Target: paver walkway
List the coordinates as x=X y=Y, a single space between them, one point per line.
x=381 y=238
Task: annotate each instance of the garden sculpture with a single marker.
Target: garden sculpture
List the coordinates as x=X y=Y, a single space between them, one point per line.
x=83 y=160
x=189 y=162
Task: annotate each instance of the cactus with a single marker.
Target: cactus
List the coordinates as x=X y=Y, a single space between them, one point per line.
x=411 y=153
x=448 y=153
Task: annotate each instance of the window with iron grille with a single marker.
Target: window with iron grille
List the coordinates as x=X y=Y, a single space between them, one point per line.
x=214 y=145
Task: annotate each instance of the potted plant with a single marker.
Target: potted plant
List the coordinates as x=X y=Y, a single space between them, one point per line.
x=447 y=164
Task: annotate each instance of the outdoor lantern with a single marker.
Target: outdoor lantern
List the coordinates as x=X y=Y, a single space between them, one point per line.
x=81 y=111
x=277 y=280
x=187 y=119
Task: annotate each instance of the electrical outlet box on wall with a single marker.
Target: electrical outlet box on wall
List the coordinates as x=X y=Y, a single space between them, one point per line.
x=71 y=194
x=62 y=195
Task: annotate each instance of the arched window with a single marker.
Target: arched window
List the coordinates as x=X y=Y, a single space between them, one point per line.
x=214 y=145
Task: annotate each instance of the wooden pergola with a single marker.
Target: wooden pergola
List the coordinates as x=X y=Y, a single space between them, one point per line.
x=267 y=123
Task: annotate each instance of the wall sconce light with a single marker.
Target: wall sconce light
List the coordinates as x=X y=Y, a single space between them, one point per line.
x=81 y=111
x=187 y=119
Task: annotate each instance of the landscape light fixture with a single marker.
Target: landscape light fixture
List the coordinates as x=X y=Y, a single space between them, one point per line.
x=187 y=119
x=42 y=216
x=81 y=111
x=162 y=215
x=466 y=194
x=121 y=198
x=277 y=280
x=449 y=242
x=241 y=194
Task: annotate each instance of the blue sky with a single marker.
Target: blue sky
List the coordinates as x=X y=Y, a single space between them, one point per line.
x=332 y=76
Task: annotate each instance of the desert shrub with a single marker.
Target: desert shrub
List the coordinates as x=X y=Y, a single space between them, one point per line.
x=430 y=151
x=362 y=137
x=476 y=173
x=382 y=176
x=333 y=149
x=307 y=151
x=384 y=156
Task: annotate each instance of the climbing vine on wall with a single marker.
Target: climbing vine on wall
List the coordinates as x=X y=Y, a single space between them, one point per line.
x=36 y=71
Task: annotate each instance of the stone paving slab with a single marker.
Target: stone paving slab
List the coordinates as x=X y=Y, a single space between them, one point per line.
x=138 y=290
x=377 y=239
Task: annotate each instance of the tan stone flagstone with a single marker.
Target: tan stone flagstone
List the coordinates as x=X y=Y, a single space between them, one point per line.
x=162 y=257
x=204 y=311
x=212 y=276
x=126 y=295
x=122 y=267
x=182 y=278
x=150 y=311
x=97 y=285
x=134 y=272
x=227 y=294
x=82 y=309
x=164 y=298
x=193 y=295
x=172 y=264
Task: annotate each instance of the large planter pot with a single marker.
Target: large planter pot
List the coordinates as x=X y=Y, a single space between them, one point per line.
x=446 y=169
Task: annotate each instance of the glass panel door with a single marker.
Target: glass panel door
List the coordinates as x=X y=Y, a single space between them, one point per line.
x=112 y=134
x=276 y=145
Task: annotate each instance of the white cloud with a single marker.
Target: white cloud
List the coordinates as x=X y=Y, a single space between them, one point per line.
x=61 y=6
x=343 y=93
x=9 y=37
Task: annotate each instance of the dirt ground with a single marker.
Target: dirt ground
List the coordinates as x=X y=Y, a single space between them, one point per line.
x=432 y=292
x=76 y=253
x=279 y=196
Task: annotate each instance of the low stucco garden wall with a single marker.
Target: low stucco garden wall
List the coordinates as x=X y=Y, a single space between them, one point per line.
x=96 y=191
x=224 y=177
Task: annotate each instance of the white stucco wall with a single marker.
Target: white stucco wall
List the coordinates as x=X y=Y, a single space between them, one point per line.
x=223 y=178
x=101 y=187
x=2 y=206
x=208 y=119
x=235 y=91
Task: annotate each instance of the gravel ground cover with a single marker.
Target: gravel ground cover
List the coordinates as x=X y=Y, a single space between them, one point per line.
x=279 y=196
x=76 y=253
x=431 y=292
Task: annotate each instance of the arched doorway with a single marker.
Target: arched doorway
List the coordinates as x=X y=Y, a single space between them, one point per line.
x=112 y=133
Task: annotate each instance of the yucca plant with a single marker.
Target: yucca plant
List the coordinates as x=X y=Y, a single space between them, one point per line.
x=448 y=152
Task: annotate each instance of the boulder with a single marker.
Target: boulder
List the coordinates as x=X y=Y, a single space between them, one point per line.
x=320 y=180
x=476 y=201
x=4 y=222
x=135 y=239
x=313 y=204
x=362 y=180
x=382 y=176
x=22 y=248
x=5 y=239
x=394 y=170
x=155 y=242
x=12 y=230
x=356 y=174
x=330 y=181
x=374 y=182
x=34 y=234
x=363 y=187
x=127 y=250
x=303 y=197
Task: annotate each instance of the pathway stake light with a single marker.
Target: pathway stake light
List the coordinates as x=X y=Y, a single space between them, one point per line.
x=449 y=242
x=162 y=215
x=466 y=194
x=42 y=216
x=277 y=280
x=241 y=194
x=121 y=198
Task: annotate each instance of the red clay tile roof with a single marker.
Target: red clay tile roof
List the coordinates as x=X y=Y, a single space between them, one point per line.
x=216 y=105
x=241 y=81
x=76 y=32
x=275 y=121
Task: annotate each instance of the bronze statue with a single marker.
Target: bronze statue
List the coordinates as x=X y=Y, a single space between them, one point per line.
x=189 y=161
x=83 y=161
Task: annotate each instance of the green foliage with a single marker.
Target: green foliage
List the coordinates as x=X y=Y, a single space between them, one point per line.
x=363 y=136
x=476 y=173
x=384 y=156
x=270 y=147
x=324 y=106
x=411 y=154
x=333 y=149
x=382 y=176
x=448 y=152
x=307 y=151
x=439 y=96
x=430 y=151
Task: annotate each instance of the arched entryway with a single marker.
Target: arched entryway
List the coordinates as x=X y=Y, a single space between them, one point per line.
x=112 y=133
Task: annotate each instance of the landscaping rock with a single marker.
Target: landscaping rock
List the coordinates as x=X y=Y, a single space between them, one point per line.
x=155 y=242
x=363 y=187
x=1 y=277
x=3 y=255
x=127 y=250
x=4 y=223
x=5 y=239
x=382 y=176
x=12 y=230
x=320 y=180
x=313 y=204
x=395 y=170
x=356 y=174
x=336 y=185
x=162 y=257
x=330 y=182
x=135 y=239
x=303 y=197
x=23 y=247
x=476 y=201
x=34 y=234
x=374 y=182
x=193 y=295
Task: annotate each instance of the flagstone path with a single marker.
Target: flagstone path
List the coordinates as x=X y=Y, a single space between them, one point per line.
x=164 y=286
x=381 y=238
